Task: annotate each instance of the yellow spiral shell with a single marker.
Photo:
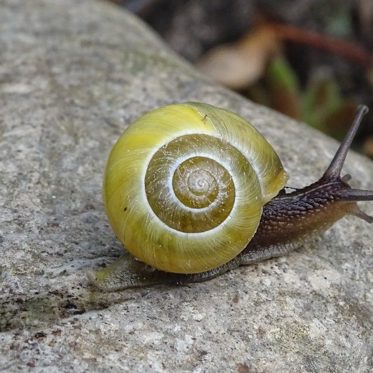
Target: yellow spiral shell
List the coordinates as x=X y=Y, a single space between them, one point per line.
x=185 y=185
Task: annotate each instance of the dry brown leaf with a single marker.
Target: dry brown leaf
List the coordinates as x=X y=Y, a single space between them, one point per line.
x=241 y=64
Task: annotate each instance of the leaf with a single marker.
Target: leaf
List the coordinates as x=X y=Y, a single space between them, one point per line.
x=243 y=63
x=324 y=106
x=283 y=87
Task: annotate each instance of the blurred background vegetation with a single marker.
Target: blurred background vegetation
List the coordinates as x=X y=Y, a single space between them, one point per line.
x=309 y=59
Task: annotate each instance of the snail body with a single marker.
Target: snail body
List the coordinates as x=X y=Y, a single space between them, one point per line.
x=192 y=191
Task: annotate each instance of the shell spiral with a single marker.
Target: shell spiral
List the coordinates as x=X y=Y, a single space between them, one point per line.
x=185 y=185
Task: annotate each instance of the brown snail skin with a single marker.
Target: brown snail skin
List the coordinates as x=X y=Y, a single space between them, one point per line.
x=285 y=219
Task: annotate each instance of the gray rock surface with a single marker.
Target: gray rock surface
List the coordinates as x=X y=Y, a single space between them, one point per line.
x=73 y=74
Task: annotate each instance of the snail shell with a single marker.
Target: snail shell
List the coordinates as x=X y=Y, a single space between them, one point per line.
x=185 y=185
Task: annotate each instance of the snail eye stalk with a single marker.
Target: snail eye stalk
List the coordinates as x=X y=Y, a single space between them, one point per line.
x=335 y=167
x=333 y=172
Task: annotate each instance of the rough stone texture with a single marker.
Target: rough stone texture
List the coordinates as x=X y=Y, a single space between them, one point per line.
x=73 y=74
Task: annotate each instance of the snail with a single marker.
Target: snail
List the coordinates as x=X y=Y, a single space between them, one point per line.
x=192 y=191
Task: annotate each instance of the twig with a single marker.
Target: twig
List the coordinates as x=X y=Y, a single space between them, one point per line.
x=343 y=48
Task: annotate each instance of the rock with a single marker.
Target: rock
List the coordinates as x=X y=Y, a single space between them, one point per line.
x=73 y=74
